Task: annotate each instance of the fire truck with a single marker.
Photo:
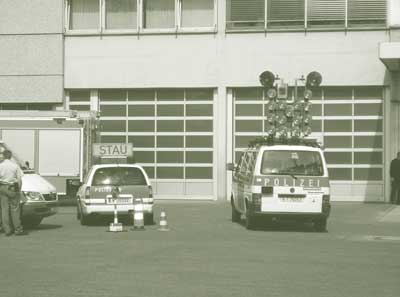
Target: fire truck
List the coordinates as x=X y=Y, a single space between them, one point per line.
x=57 y=145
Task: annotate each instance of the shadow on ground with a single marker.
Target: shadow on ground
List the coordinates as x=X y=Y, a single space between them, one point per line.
x=282 y=226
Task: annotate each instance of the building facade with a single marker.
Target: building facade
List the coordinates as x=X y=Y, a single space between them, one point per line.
x=179 y=79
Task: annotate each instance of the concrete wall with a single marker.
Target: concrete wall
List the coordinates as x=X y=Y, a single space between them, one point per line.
x=31 y=51
x=350 y=58
x=223 y=61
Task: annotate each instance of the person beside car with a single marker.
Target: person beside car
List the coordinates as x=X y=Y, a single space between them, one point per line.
x=10 y=186
x=1 y=222
x=395 y=180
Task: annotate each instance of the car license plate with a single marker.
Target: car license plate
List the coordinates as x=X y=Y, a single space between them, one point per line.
x=291 y=199
x=120 y=201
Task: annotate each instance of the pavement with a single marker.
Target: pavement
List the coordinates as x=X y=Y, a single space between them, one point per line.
x=392 y=215
x=205 y=254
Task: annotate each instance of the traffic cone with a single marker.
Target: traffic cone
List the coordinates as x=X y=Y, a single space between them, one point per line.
x=138 y=216
x=163 y=221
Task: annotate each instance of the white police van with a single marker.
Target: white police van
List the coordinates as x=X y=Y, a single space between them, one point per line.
x=281 y=181
x=38 y=196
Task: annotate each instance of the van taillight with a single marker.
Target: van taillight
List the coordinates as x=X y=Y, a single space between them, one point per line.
x=87 y=193
x=326 y=198
x=256 y=198
x=150 y=192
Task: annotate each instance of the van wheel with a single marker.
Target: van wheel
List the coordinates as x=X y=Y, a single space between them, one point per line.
x=320 y=225
x=250 y=220
x=235 y=213
x=84 y=219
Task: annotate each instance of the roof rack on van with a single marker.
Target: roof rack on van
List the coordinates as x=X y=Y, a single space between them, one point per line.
x=268 y=140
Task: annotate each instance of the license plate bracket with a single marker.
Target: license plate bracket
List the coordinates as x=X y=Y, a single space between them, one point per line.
x=291 y=199
x=120 y=200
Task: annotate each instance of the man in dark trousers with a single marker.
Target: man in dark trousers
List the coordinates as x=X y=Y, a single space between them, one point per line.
x=395 y=179
x=10 y=186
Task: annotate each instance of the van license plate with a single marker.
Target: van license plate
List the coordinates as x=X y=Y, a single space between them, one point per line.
x=291 y=199
x=120 y=201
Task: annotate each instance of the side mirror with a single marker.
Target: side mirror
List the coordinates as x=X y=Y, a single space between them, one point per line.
x=231 y=166
x=27 y=164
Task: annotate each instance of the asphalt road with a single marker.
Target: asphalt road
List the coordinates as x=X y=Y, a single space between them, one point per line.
x=205 y=254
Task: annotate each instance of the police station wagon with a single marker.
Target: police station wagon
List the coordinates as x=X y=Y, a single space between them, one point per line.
x=281 y=182
x=95 y=196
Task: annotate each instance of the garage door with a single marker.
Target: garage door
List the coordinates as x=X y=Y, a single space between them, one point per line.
x=348 y=120
x=172 y=131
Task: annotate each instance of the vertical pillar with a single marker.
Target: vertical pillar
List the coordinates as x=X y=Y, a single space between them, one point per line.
x=94 y=100
x=221 y=123
x=221 y=106
x=394 y=13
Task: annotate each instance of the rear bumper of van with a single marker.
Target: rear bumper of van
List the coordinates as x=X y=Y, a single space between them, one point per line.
x=325 y=212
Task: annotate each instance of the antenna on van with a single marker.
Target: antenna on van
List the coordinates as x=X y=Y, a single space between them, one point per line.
x=288 y=117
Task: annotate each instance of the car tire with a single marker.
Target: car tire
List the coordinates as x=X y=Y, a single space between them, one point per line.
x=149 y=219
x=32 y=222
x=235 y=213
x=320 y=225
x=78 y=213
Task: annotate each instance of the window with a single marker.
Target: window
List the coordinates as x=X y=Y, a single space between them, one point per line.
x=159 y=14
x=122 y=176
x=301 y=14
x=121 y=14
x=27 y=106
x=285 y=13
x=292 y=162
x=326 y=13
x=197 y=13
x=117 y=15
x=84 y=14
x=366 y=13
x=245 y=14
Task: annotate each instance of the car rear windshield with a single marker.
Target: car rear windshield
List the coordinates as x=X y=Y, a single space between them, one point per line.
x=121 y=176
x=292 y=163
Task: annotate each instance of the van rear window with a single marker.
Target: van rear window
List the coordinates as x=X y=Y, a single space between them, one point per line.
x=292 y=163
x=119 y=176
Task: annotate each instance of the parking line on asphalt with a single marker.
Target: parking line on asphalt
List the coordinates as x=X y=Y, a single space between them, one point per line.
x=376 y=238
x=391 y=216
x=383 y=238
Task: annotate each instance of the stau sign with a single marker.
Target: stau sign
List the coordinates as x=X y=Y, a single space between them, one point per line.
x=112 y=150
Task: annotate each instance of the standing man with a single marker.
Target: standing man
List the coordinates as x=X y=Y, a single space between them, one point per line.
x=395 y=179
x=1 y=220
x=10 y=186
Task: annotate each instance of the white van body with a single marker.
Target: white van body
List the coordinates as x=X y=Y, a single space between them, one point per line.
x=282 y=181
x=38 y=196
